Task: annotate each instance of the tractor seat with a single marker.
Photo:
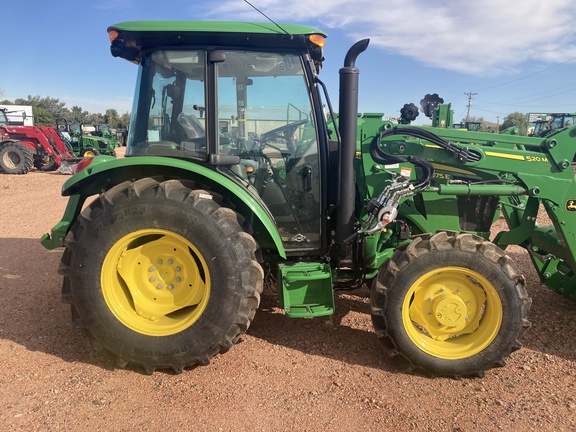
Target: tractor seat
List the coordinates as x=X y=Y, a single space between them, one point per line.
x=191 y=126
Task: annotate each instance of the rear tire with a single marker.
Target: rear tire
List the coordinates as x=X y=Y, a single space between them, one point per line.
x=450 y=304
x=15 y=158
x=161 y=275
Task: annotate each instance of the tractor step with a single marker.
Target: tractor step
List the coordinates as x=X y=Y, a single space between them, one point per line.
x=306 y=289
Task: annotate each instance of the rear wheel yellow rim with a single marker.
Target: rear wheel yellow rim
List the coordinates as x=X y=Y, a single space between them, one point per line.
x=452 y=313
x=155 y=282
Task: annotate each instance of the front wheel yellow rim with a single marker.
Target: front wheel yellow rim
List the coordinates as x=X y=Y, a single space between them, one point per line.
x=452 y=313
x=155 y=282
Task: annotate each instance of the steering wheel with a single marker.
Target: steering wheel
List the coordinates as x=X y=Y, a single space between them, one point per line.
x=285 y=132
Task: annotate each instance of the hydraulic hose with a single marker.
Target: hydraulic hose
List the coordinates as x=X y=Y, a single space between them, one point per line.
x=463 y=154
x=382 y=157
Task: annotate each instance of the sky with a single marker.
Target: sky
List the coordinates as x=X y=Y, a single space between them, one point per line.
x=518 y=55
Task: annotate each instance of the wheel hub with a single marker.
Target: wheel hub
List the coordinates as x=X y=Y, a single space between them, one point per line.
x=450 y=310
x=11 y=159
x=167 y=274
x=162 y=278
x=447 y=304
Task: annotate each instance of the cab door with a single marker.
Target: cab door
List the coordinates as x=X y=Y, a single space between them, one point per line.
x=266 y=116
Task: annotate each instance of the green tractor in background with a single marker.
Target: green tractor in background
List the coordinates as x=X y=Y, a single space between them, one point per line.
x=542 y=125
x=239 y=173
x=99 y=142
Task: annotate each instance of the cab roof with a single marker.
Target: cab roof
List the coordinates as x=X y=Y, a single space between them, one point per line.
x=214 y=27
x=132 y=38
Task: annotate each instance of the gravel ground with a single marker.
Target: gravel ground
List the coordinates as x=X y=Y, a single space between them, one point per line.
x=305 y=375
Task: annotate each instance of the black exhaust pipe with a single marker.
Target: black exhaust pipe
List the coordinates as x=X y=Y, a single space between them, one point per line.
x=348 y=125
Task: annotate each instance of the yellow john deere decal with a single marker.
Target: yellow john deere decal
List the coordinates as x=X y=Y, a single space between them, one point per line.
x=570 y=205
x=504 y=155
x=452 y=169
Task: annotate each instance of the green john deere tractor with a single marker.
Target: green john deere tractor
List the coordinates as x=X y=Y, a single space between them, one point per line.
x=234 y=171
x=101 y=142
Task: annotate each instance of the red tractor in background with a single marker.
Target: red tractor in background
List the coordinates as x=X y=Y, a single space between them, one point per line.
x=25 y=147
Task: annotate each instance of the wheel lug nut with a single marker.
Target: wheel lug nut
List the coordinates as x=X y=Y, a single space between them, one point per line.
x=159 y=261
x=160 y=286
x=152 y=279
x=152 y=269
x=178 y=269
x=178 y=279
x=170 y=261
x=170 y=286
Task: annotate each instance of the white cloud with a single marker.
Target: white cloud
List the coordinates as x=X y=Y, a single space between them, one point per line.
x=481 y=37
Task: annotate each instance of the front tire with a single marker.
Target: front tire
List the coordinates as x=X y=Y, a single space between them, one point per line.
x=45 y=163
x=15 y=158
x=450 y=304
x=161 y=275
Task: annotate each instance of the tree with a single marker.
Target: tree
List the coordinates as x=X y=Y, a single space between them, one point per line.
x=515 y=119
x=111 y=118
x=43 y=117
x=48 y=110
x=484 y=125
x=53 y=105
x=491 y=128
x=96 y=118
x=77 y=115
x=474 y=119
x=124 y=120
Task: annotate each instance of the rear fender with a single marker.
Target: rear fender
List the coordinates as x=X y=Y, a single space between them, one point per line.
x=105 y=172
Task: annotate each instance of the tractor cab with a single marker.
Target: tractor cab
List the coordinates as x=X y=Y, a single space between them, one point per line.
x=245 y=106
x=543 y=128
x=3 y=117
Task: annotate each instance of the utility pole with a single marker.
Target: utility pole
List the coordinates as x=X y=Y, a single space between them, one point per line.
x=469 y=94
x=497 y=124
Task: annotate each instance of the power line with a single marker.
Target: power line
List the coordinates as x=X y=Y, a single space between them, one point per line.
x=527 y=76
x=532 y=98
x=476 y=108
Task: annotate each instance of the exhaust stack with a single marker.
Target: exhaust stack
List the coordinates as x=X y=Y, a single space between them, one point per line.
x=348 y=126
